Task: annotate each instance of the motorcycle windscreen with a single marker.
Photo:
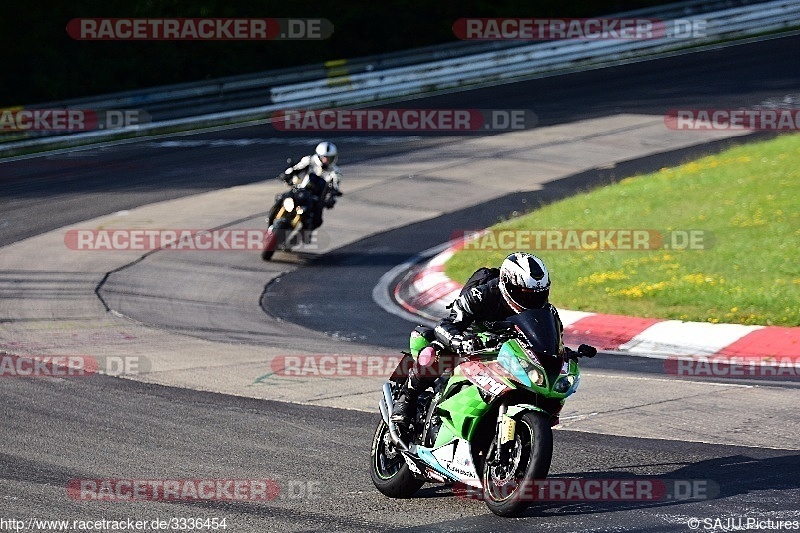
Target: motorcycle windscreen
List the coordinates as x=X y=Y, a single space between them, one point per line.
x=540 y=330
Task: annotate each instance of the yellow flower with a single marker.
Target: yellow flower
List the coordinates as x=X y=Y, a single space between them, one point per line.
x=640 y=290
x=696 y=279
x=599 y=278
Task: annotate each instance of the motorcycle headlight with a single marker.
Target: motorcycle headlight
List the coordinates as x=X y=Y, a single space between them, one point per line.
x=566 y=384
x=536 y=376
x=524 y=370
x=288 y=203
x=300 y=210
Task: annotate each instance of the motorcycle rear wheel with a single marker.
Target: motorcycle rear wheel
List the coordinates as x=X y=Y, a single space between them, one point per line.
x=508 y=489
x=388 y=469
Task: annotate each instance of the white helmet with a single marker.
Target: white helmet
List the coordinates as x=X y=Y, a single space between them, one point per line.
x=524 y=282
x=326 y=155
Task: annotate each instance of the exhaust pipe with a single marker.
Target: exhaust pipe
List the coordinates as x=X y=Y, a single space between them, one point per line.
x=387 y=399
x=389 y=406
x=384 y=411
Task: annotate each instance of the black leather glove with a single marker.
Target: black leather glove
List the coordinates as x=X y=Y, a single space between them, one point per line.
x=466 y=343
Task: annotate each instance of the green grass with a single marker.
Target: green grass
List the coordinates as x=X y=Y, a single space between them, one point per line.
x=747 y=197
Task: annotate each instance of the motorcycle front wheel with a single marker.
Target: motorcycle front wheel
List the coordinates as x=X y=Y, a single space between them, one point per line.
x=508 y=487
x=270 y=242
x=276 y=236
x=389 y=472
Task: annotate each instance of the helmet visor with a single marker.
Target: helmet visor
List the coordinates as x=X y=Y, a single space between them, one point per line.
x=528 y=298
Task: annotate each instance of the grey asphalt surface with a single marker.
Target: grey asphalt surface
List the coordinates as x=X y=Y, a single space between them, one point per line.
x=57 y=430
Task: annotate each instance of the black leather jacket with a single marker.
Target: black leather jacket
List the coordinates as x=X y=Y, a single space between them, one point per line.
x=483 y=303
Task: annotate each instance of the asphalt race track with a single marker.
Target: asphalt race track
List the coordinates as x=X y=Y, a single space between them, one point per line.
x=56 y=430
x=150 y=430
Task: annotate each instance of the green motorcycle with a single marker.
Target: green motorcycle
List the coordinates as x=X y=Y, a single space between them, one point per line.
x=487 y=423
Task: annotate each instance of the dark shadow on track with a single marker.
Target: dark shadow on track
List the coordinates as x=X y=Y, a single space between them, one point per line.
x=722 y=477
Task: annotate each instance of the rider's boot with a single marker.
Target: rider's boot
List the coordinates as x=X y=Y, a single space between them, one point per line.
x=406 y=404
x=420 y=377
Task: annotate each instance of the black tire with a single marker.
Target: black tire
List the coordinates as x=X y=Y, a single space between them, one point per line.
x=281 y=229
x=270 y=242
x=534 y=441
x=389 y=472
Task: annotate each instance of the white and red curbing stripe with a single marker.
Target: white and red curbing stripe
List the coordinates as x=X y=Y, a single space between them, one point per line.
x=425 y=291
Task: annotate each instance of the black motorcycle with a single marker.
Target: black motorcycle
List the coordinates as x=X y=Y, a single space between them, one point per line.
x=297 y=212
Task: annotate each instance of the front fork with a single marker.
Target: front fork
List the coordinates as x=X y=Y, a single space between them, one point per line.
x=506 y=426
x=297 y=227
x=501 y=422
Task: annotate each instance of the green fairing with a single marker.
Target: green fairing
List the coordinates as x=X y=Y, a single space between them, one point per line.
x=445 y=435
x=546 y=389
x=517 y=350
x=460 y=413
x=520 y=408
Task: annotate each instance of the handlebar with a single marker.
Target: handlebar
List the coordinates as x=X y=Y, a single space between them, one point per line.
x=494 y=340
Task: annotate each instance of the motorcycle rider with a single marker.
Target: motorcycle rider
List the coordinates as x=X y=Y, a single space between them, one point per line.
x=524 y=283
x=309 y=170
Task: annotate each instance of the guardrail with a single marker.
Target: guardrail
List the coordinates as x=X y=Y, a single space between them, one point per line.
x=371 y=79
x=235 y=89
x=529 y=59
x=239 y=87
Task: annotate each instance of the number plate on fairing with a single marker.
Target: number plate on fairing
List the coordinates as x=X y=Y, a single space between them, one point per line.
x=485 y=377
